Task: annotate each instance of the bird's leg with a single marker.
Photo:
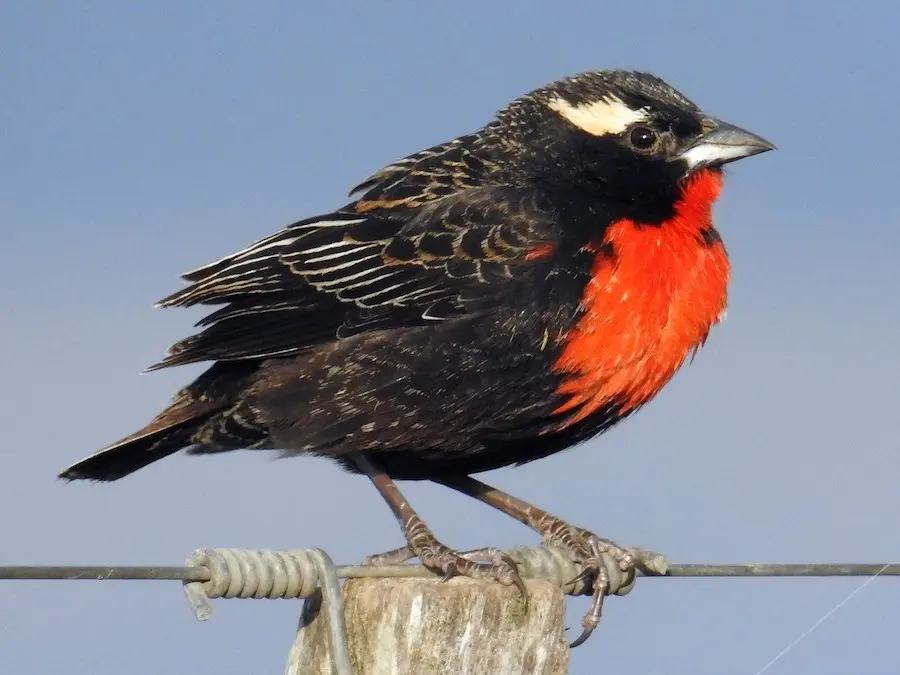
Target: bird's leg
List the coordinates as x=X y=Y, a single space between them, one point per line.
x=422 y=544
x=585 y=547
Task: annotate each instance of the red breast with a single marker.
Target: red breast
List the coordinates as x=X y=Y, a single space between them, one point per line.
x=647 y=306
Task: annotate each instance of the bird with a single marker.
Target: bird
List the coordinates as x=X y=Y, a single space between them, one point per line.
x=485 y=302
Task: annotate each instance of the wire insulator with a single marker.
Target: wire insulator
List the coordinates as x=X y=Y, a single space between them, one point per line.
x=265 y=573
x=251 y=573
x=558 y=568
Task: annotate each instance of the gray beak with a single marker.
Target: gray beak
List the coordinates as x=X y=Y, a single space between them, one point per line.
x=722 y=144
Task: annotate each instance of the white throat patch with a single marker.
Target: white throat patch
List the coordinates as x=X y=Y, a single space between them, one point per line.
x=599 y=118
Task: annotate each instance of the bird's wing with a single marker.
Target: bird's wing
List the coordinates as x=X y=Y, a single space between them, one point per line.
x=363 y=268
x=427 y=175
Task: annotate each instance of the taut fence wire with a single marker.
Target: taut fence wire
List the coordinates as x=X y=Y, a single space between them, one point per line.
x=310 y=573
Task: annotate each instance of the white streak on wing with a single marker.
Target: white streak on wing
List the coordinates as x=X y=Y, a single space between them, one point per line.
x=260 y=245
x=387 y=290
x=352 y=249
x=325 y=247
x=399 y=301
x=237 y=264
x=233 y=255
x=274 y=240
x=334 y=268
x=358 y=275
x=326 y=223
x=428 y=316
x=394 y=184
x=276 y=352
x=253 y=250
x=422 y=293
x=224 y=280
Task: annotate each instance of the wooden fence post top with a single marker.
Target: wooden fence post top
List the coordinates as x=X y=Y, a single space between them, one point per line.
x=422 y=626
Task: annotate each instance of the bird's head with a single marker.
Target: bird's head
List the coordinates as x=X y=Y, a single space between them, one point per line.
x=626 y=135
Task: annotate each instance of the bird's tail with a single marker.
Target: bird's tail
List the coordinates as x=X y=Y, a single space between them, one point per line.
x=157 y=440
x=174 y=429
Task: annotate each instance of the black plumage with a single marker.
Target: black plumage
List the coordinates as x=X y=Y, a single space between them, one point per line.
x=445 y=321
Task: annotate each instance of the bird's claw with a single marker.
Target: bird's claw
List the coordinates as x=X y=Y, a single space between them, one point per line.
x=595 y=555
x=396 y=556
x=497 y=566
x=504 y=568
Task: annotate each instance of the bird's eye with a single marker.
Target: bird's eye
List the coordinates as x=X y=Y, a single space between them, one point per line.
x=642 y=138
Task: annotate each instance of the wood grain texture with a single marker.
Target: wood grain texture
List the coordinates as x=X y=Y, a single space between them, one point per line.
x=423 y=626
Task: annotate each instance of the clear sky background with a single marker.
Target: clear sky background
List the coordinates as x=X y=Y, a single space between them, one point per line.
x=141 y=139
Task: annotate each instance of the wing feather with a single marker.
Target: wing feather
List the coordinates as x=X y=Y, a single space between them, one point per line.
x=408 y=252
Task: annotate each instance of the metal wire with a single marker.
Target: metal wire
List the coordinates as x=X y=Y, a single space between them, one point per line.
x=191 y=573
x=241 y=573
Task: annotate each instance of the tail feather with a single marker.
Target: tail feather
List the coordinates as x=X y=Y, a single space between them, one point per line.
x=152 y=443
x=175 y=428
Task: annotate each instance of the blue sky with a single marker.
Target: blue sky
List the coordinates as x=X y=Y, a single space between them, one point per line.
x=143 y=139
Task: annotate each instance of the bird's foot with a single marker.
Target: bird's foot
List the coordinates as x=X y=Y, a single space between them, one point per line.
x=599 y=558
x=494 y=564
x=608 y=567
x=422 y=544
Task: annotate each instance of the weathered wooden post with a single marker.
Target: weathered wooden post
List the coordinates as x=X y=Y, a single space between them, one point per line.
x=422 y=626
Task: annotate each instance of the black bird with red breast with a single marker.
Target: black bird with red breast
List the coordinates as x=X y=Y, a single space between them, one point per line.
x=488 y=301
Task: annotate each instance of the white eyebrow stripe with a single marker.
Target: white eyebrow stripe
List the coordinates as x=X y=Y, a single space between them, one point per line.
x=599 y=118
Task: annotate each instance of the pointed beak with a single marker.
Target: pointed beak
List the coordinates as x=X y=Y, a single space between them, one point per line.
x=722 y=144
